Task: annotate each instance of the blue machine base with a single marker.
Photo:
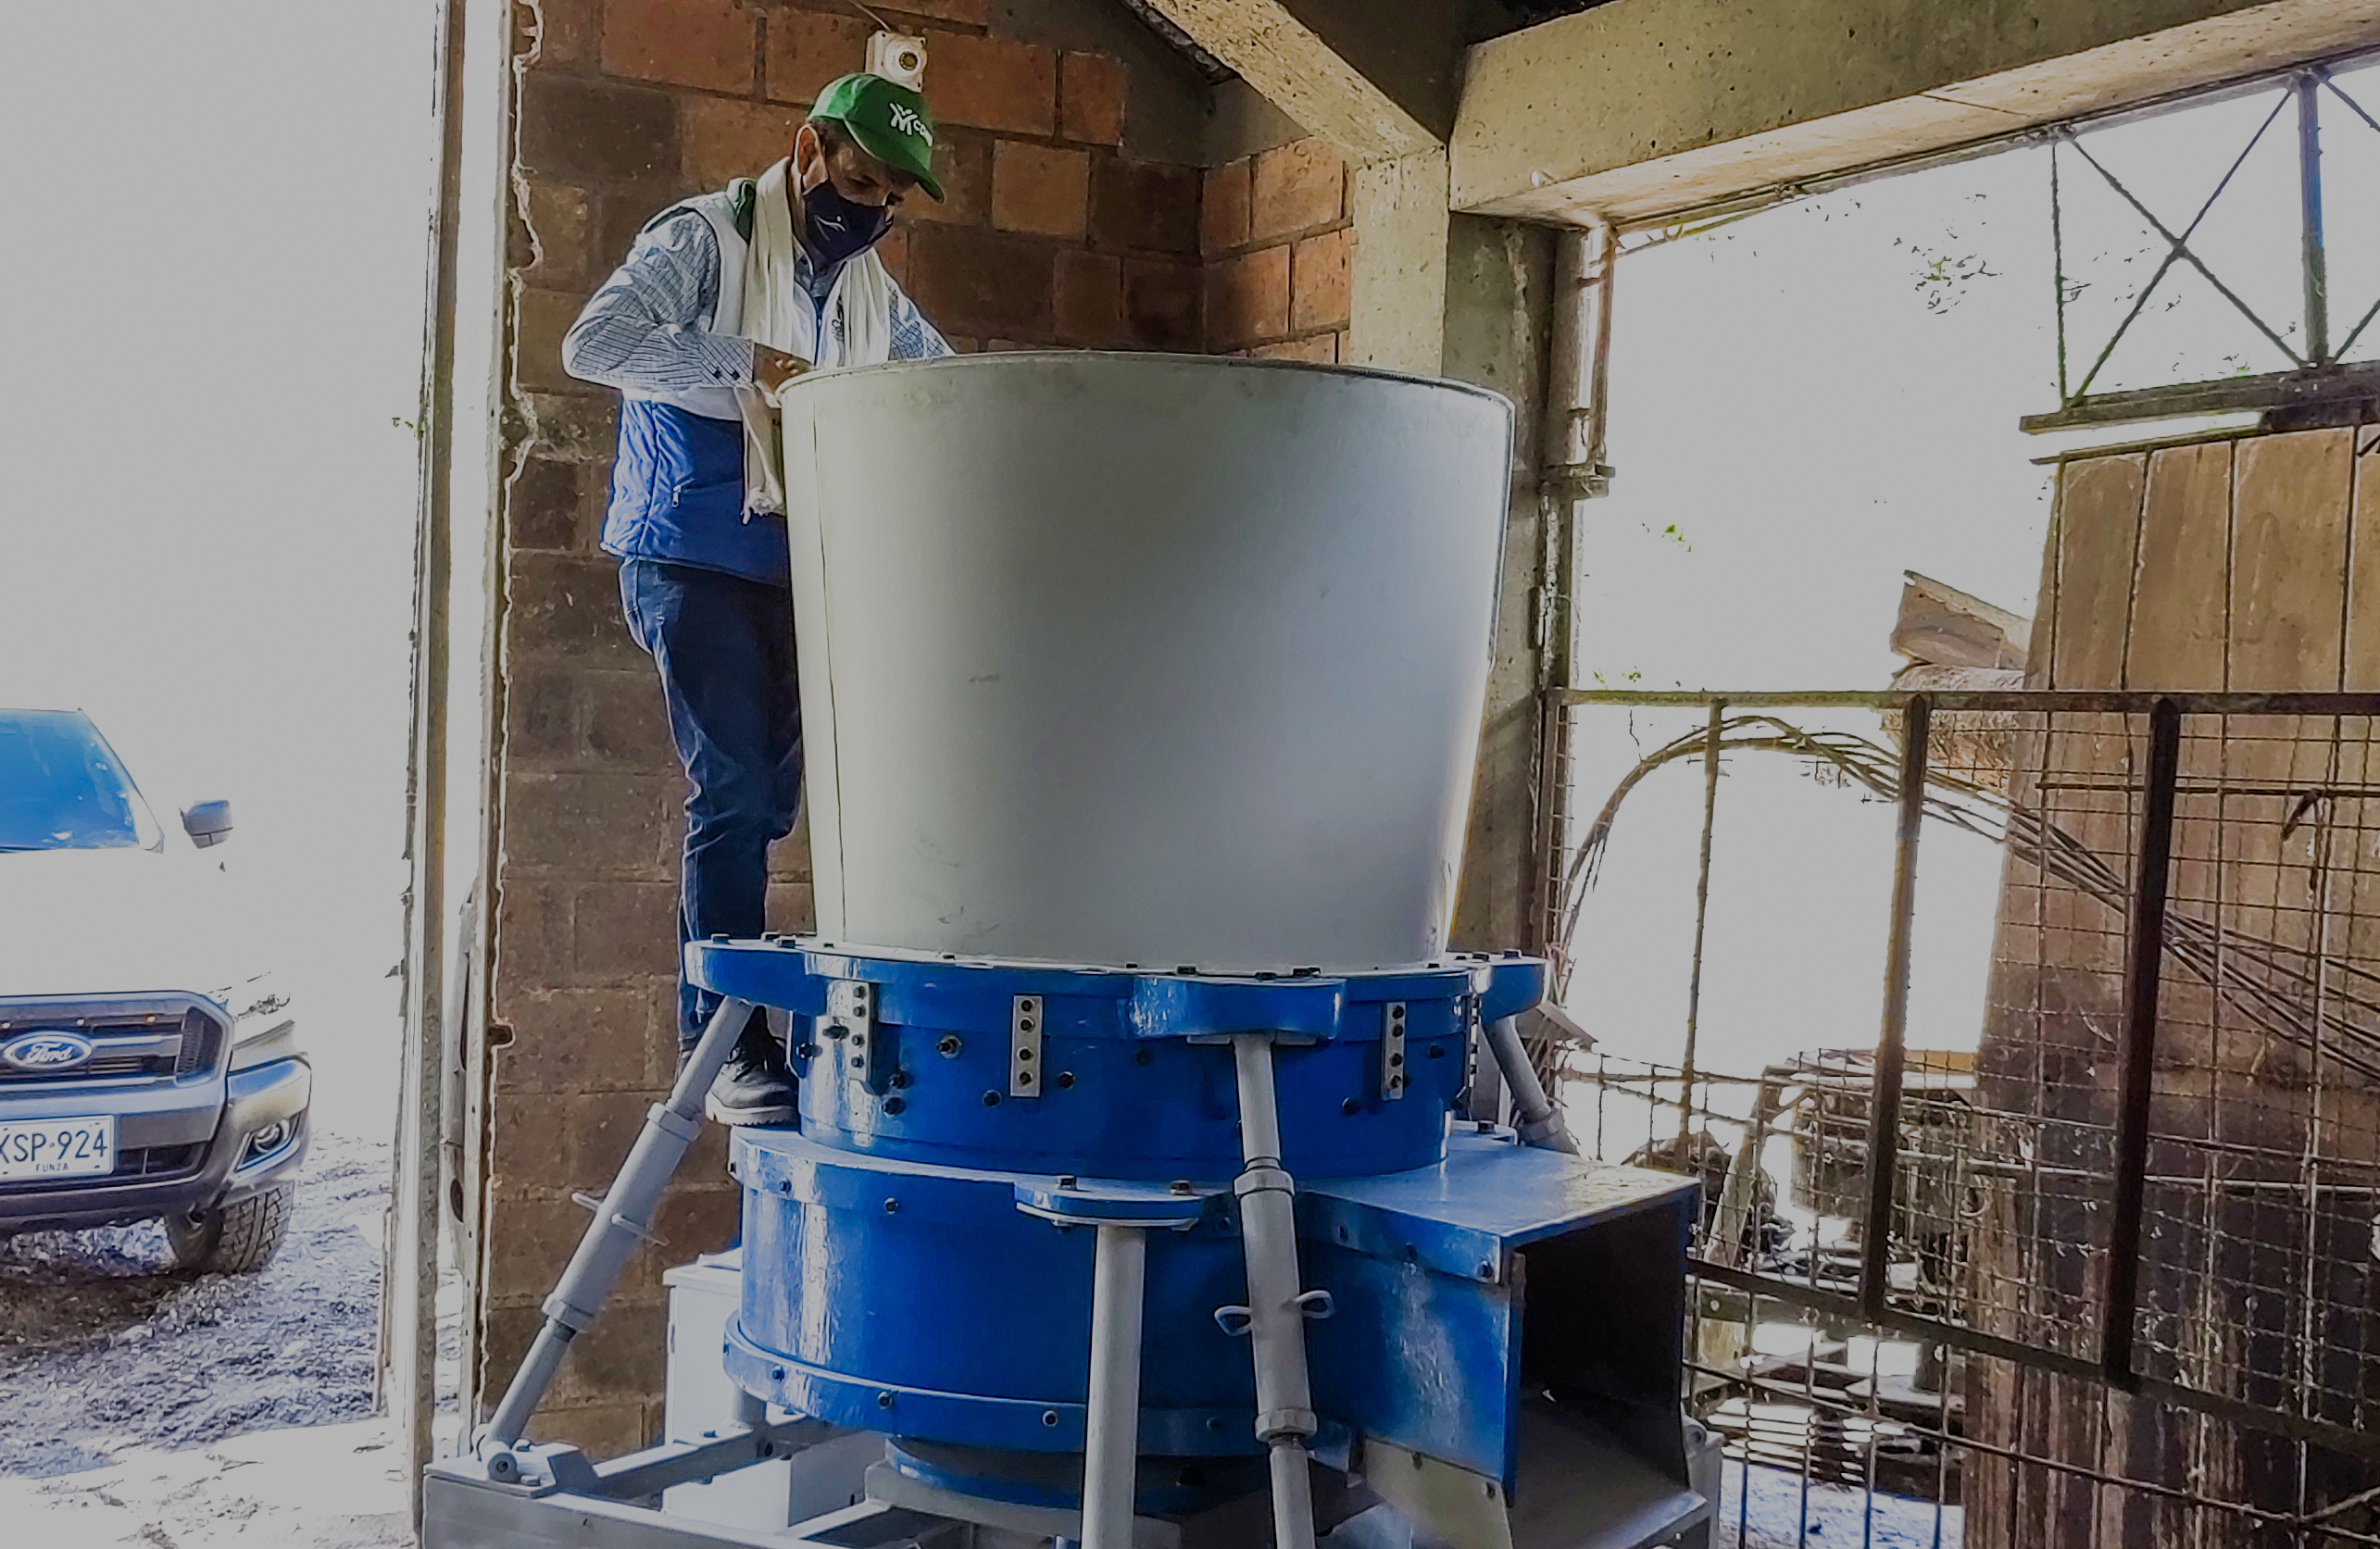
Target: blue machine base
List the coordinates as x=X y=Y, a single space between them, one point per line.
x=918 y=1253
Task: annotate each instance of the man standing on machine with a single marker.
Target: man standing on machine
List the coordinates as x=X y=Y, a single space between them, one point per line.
x=723 y=300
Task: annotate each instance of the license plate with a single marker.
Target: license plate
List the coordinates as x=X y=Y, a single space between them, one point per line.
x=57 y=1148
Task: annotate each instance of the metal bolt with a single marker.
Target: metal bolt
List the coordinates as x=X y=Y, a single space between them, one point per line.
x=1487 y=1271
x=1025 y=1078
x=1049 y=1416
x=1066 y=1078
x=884 y=1400
x=895 y=1105
x=949 y=1046
x=1179 y=1185
x=1349 y=1105
x=1142 y=1056
x=1067 y=1180
x=892 y=1207
x=991 y=1099
x=1438 y=1051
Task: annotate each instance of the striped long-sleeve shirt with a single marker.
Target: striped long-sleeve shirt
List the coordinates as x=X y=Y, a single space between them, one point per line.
x=642 y=332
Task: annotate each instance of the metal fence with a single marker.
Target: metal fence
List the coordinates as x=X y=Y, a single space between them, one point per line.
x=2106 y=1277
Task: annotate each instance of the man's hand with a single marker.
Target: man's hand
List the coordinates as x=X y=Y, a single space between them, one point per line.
x=773 y=369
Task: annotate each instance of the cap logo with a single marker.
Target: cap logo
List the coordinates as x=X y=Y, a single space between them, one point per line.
x=907 y=120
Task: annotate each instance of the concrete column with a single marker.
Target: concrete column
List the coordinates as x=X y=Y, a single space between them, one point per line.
x=1398 y=275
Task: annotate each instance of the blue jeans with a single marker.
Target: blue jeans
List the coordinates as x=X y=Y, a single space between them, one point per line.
x=724 y=648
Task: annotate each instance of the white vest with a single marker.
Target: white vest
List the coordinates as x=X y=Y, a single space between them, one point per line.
x=863 y=277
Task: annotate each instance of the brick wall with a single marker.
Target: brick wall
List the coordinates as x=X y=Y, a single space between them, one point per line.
x=1274 y=230
x=1052 y=234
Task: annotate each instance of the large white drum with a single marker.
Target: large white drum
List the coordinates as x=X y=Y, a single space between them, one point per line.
x=1138 y=658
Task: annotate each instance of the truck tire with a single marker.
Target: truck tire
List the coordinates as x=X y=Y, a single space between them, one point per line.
x=237 y=1239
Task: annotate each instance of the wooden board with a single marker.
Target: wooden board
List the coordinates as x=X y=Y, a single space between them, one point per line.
x=2288 y=570
x=2363 y=650
x=2099 y=534
x=2182 y=582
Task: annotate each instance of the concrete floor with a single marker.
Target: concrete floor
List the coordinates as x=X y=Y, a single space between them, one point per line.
x=315 y=1487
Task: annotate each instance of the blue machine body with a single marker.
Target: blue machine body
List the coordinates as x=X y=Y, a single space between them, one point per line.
x=918 y=1252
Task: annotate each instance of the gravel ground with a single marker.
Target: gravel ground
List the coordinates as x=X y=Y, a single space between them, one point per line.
x=104 y=1347
x=1777 y=1514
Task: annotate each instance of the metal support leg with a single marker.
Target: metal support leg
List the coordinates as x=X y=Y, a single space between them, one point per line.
x=1539 y=1121
x=1276 y=1313
x=1111 y=1446
x=622 y=1219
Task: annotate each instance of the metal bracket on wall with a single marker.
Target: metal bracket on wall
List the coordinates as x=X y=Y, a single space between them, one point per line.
x=850 y=1019
x=1024 y=1047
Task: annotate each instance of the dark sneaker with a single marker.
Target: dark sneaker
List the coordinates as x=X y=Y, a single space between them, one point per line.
x=751 y=1088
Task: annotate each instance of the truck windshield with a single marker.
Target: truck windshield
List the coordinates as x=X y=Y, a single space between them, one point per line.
x=61 y=787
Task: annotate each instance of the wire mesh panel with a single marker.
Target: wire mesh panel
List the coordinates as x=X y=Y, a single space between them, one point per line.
x=2092 y=1265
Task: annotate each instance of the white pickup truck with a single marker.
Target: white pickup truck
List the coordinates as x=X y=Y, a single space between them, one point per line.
x=149 y=1068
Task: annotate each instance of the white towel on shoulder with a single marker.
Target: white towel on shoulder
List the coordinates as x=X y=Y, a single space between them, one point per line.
x=856 y=331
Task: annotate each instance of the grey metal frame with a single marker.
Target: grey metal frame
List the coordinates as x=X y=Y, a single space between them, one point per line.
x=2316 y=373
x=2143 y=959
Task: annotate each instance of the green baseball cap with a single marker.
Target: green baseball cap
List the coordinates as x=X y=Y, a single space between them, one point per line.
x=887 y=120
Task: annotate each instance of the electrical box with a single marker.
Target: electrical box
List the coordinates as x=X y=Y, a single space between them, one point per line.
x=698 y=1396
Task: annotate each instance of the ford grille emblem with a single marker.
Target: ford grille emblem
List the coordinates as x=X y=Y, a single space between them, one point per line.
x=46 y=1052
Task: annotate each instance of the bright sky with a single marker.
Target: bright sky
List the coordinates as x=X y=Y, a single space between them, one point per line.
x=206 y=533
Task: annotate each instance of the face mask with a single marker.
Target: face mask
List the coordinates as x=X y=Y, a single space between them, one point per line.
x=834 y=228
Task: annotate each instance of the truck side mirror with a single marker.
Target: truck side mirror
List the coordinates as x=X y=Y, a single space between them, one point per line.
x=207 y=822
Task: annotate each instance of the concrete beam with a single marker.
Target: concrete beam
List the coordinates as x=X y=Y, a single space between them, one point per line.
x=1640 y=108
x=1377 y=77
